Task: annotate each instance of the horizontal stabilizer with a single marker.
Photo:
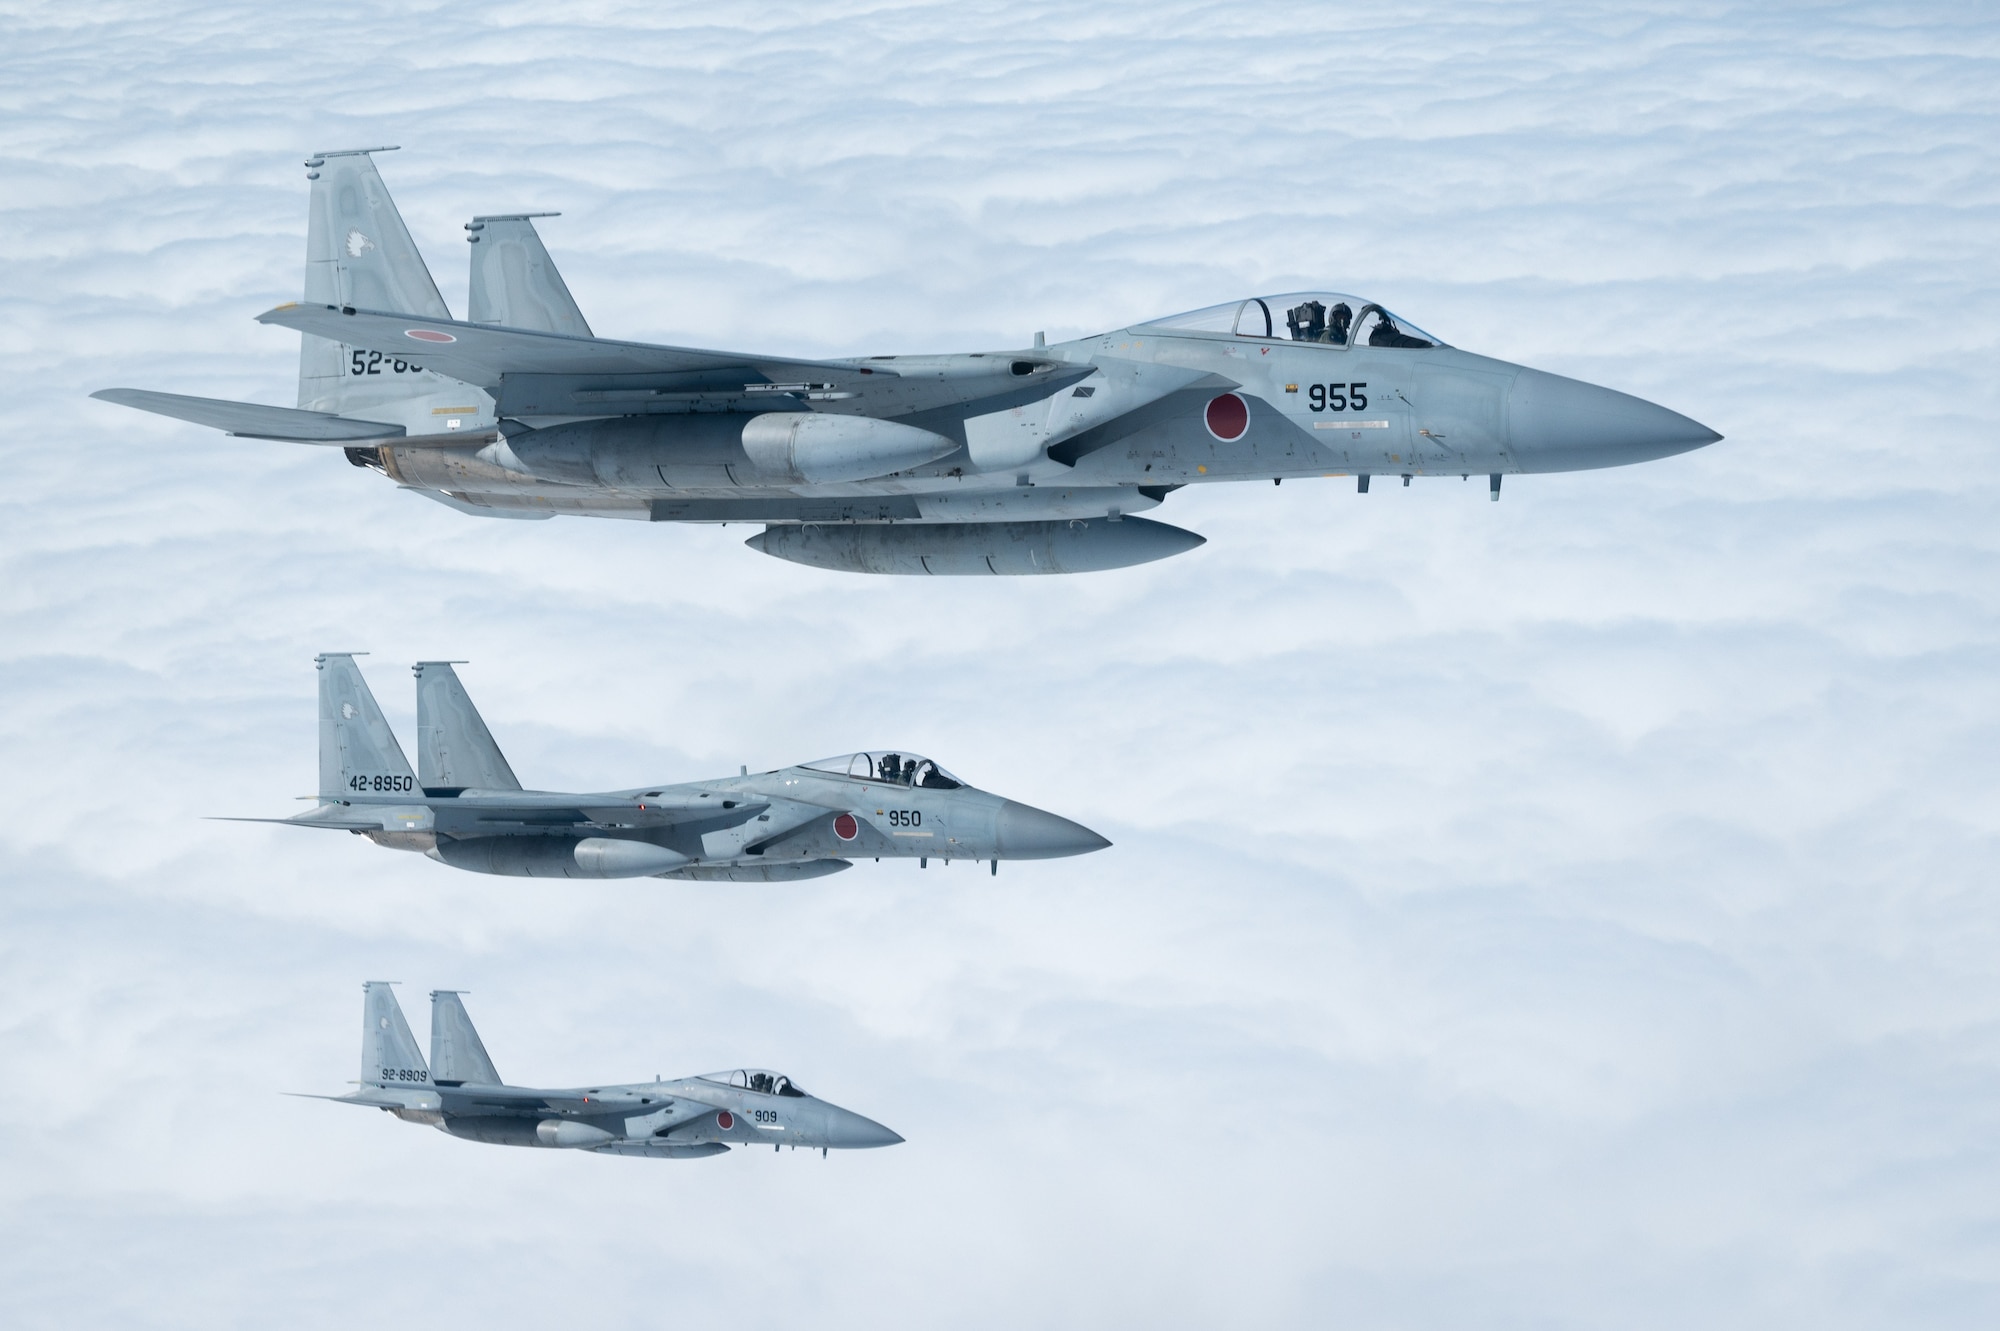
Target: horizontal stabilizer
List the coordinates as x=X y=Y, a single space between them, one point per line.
x=370 y=1099
x=253 y=420
x=335 y=817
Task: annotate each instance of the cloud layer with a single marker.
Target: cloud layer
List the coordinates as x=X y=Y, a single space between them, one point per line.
x=1575 y=911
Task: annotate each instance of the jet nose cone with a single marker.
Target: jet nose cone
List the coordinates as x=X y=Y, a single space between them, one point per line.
x=850 y=1132
x=1023 y=832
x=1558 y=424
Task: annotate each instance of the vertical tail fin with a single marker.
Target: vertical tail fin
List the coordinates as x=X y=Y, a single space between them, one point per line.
x=514 y=282
x=455 y=750
x=457 y=1056
x=358 y=753
x=389 y=1054
x=358 y=252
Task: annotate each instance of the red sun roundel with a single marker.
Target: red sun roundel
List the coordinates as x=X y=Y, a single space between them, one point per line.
x=428 y=335
x=1228 y=417
x=846 y=828
x=725 y=1120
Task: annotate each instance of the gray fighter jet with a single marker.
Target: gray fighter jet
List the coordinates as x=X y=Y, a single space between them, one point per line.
x=1019 y=461
x=460 y=1093
x=464 y=807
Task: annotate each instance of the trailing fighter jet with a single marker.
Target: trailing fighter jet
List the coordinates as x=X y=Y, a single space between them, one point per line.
x=460 y=1093
x=464 y=807
x=1032 y=460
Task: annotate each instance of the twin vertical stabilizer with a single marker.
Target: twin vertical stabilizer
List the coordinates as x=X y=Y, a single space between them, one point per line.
x=455 y=750
x=358 y=753
x=389 y=1055
x=359 y=253
x=457 y=1054
x=514 y=282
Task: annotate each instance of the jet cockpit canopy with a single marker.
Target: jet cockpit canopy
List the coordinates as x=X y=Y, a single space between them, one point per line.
x=896 y=768
x=761 y=1080
x=1325 y=317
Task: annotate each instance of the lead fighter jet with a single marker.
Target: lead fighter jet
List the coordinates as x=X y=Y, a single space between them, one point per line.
x=459 y=1092
x=1024 y=461
x=464 y=807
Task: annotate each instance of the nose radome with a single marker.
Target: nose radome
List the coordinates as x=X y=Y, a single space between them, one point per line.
x=1023 y=832
x=850 y=1131
x=1558 y=424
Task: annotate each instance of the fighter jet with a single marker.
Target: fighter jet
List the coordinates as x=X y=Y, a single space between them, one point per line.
x=1031 y=460
x=464 y=807
x=461 y=1093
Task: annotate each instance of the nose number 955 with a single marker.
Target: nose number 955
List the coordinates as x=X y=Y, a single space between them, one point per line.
x=1339 y=397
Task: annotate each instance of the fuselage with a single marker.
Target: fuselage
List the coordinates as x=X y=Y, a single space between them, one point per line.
x=1106 y=426
x=689 y=1116
x=795 y=822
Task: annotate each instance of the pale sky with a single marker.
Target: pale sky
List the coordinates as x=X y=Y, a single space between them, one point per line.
x=1578 y=911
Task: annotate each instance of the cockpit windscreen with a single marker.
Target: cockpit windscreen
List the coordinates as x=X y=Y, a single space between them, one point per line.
x=761 y=1080
x=894 y=768
x=1328 y=318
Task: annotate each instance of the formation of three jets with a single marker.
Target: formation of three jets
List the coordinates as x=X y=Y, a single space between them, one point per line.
x=1032 y=460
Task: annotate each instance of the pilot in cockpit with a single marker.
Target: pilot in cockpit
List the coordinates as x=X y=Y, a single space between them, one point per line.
x=1386 y=334
x=909 y=771
x=890 y=767
x=1337 y=321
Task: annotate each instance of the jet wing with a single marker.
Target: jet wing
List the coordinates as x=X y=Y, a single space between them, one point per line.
x=533 y=373
x=253 y=420
x=483 y=354
x=418 y=811
x=552 y=809
x=475 y=1099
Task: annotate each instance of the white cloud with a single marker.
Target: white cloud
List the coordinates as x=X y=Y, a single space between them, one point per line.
x=1571 y=911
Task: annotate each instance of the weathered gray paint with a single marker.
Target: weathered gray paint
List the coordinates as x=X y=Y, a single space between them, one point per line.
x=521 y=412
x=468 y=810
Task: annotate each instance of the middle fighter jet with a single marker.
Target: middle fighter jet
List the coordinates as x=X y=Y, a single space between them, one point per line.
x=464 y=807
